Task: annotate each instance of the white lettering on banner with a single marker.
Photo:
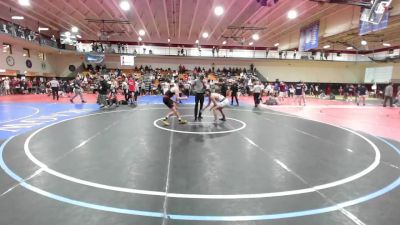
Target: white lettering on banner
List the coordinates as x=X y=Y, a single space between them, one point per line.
x=31 y=122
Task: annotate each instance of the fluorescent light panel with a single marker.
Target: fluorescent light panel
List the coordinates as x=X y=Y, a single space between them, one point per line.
x=24 y=2
x=292 y=14
x=17 y=17
x=218 y=11
x=125 y=5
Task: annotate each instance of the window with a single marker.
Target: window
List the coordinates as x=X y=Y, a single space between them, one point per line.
x=26 y=53
x=42 y=56
x=7 y=48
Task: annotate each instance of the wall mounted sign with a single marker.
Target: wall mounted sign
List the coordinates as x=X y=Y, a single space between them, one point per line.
x=10 y=60
x=28 y=63
x=72 y=68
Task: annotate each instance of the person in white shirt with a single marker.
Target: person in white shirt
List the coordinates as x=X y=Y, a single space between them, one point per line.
x=124 y=87
x=165 y=86
x=55 y=86
x=257 y=89
x=7 y=86
x=219 y=102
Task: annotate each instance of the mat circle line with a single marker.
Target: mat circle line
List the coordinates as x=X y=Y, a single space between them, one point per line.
x=202 y=132
x=23 y=117
x=45 y=168
x=187 y=217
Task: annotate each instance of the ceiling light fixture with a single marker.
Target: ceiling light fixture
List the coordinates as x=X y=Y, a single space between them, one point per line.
x=169 y=40
x=125 y=5
x=224 y=42
x=327 y=46
x=363 y=42
x=292 y=14
x=142 y=32
x=387 y=44
x=43 y=28
x=349 y=48
x=78 y=36
x=205 y=35
x=17 y=17
x=255 y=37
x=74 y=29
x=251 y=43
x=218 y=11
x=197 y=41
x=276 y=44
x=24 y=2
x=140 y=39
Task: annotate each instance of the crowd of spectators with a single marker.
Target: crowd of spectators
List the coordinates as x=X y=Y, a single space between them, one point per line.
x=155 y=81
x=25 y=33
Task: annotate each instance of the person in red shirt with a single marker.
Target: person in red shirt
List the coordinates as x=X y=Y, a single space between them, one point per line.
x=282 y=91
x=131 y=91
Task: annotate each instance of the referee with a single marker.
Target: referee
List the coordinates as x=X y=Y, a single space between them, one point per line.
x=198 y=88
x=55 y=86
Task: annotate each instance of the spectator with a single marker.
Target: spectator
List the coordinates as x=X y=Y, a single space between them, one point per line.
x=388 y=95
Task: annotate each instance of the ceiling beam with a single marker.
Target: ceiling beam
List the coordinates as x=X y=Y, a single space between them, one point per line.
x=279 y=14
x=166 y=17
x=193 y=18
x=266 y=16
x=31 y=14
x=122 y=14
x=153 y=18
x=140 y=19
x=297 y=25
x=67 y=16
x=126 y=31
x=180 y=19
x=237 y=17
x=232 y=3
x=278 y=27
x=89 y=10
x=210 y=12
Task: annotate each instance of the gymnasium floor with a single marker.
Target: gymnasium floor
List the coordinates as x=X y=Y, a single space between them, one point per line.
x=327 y=163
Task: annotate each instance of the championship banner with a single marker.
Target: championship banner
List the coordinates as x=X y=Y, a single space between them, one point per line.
x=309 y=37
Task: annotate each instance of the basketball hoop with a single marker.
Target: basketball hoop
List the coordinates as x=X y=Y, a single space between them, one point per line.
x=382 y=8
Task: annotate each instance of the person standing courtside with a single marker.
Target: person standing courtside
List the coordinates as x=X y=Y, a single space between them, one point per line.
x=388 y=95
x=77 y=89
x=257 y=93
x=55 y=86
x=234 y=94
x=198 y=88
x=361 y=93
x=300 y=93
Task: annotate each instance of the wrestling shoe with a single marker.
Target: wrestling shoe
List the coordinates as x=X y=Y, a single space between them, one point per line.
x=165 y=122
x=183 y=121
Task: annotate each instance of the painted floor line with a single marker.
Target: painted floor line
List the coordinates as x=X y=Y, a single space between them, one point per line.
x=356 y=176
x=365 y=198
x=24 y=117
x=167 y=181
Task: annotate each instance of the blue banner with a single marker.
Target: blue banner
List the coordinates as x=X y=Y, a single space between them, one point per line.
x=309 y=37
